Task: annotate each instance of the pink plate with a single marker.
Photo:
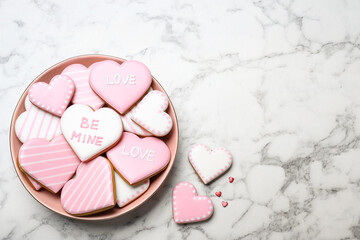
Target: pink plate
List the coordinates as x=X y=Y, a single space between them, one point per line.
x=52 y=201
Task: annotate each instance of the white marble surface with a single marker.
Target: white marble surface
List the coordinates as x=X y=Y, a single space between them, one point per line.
x=276 y=82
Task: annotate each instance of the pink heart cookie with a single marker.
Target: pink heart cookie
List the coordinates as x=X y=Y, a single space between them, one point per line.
x=121 y=86
x=188 y=207
x=92 y=190
x=83 y=94
x=34 y=184
x=209 y=164
x=136 y=159
x=51 y=164
x=150 y=114
x=54 y=97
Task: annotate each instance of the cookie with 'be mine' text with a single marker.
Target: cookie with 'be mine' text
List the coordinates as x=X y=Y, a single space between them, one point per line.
x=137 y=159
x=90 y=132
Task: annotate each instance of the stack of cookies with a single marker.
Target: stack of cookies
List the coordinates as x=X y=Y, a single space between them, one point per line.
x=93 y=135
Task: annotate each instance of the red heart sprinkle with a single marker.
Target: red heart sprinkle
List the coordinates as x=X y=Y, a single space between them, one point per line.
x=231 y=179
x=218 y=194
x=224 y=203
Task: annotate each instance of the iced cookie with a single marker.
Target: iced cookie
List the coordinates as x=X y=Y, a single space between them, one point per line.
x=131 y=126
x=136 y=159
x=150 y=113
x=120 y=86
x=53 y=97
x=92 y=190
x=209 y=164
x=36 y=123
x=90 y=132
x=83 y=94
x=51 y=164
x=126 y=193
x=188 y=207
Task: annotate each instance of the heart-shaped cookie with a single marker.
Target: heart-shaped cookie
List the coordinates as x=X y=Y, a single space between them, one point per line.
x=150 y=113
x=53 y=97
x=120 y=86
x=90 y=132
x=136 y=159
x=51 y=164
x=34 y=184
x=36 y=123
x=83 y=94
x=92 y=190
x=209 y=164
x=188 y=206
x=126 y=193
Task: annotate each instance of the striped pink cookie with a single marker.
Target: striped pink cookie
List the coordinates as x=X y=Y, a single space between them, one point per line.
x=92 y=190
x=51 y=164
x=53 y=97
x=209 y=164
x=83 y=94
x=36 y=123
x=150 y=114
x=188 y=207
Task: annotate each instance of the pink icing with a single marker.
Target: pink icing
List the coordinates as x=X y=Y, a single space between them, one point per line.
x=53 y=97
x=52 y=164
x=137 y=159
x=188 y=206
x=91 y=190
x=120 y=86
x=83 y=94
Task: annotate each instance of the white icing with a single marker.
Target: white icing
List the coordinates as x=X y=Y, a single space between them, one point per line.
x=121 y=79
x=149 y=113
x=89 y=132
x=36 y=123
x=126 y=193
x=209 y=164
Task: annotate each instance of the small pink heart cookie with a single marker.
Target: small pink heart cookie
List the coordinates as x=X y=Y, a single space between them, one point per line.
x=150 y=114
x=92 y=190
x=54 y=97
x=136 y=159
x=90 y=132
x=120 y=86
x=188 y=207
x=83 y=94
x=51 y=164
x=209 y=164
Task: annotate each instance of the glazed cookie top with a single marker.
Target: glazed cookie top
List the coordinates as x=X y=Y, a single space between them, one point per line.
x=90 y=132
x=120 y=86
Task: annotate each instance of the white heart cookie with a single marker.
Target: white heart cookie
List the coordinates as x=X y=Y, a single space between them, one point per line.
x=90 y=132
x=126 y=193
x=150 y=115
x=209 y=164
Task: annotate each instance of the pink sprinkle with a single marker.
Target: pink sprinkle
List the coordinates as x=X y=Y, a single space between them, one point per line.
x=133 y=196
x=137 y=192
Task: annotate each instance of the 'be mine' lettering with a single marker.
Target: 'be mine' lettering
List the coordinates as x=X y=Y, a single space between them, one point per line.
x=136 y=151
x=87 y=138
x=117 y=79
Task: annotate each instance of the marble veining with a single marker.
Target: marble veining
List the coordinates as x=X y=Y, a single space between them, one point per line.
x=276 y=82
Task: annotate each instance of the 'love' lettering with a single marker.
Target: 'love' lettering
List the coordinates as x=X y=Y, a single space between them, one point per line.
x=117 y=79
x=136 y=151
